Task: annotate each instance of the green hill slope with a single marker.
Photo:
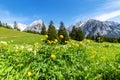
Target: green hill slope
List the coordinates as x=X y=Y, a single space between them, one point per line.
x=19 y=37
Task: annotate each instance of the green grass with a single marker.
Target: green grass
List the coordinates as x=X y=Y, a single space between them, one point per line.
x=86 y=60
x=19 y=37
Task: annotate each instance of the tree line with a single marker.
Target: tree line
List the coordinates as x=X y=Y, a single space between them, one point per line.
x=61 y=34
x=5 y=25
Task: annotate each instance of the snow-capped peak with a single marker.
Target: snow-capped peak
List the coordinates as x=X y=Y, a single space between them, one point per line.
x=36 y=22
x=20 y=26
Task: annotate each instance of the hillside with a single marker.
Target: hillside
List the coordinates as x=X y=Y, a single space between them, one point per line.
x=18 y=37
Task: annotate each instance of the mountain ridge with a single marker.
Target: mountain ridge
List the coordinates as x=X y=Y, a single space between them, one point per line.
x=105 y=28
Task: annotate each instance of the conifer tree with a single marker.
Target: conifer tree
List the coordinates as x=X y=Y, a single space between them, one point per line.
x=62 y=32
x=0 y=24
x=43 y=31
x=73 y=32
x=15 y=25
x=79 y=34
x=52 y=34
x=99 y=38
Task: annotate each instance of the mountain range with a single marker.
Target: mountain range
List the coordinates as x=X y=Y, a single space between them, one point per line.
x=89 y=27
x=92 y=27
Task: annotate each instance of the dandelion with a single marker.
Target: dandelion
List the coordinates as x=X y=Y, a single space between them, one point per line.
x=29 y=74
x=53 y=56
x=46 y=36
x=61 y=36
x=81 y=43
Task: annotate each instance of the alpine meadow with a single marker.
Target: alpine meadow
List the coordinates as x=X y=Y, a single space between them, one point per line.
x=60 y=40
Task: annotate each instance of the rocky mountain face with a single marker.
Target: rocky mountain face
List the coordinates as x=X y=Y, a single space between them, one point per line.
x=34 y=26
x=105 y=28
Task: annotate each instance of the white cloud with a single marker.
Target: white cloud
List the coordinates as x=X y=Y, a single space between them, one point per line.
x=8 y=17
x=108 y=10
x=107 y=16
x=111 y=4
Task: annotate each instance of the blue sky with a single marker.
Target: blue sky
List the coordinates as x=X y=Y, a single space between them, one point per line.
x=68 y=11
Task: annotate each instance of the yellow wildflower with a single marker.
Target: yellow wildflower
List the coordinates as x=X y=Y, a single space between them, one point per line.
x=102 y=57
x=66 y=42
x=77 y=45
x=94 y=52
x=92 y=57
x=36 y=44
x=55 y=41
x=98 y=75
x=88 y=41
x=81 y=43
x=61 y=36
x=16 y=50
x=53 y=56
x=49 y=42
x=46 y=36
x=29 y=74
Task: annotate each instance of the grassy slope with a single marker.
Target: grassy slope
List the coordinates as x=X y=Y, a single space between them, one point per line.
x=107 y=50
x=19 y=37
x=97 y=53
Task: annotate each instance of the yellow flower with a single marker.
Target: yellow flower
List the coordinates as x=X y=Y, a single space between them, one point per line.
x=61 y=36
x=36 y=44
x=77 y=45
x=46 y=36
x=102 y=57
x=92 y=57
x=98 y=75
x=66 y=42
x=42 y=39
x=16 y=51
x=81 y=43
x=53 y=56
x=94 y=52
x=29 y=74
x=88 y=41
x=55 y=40
x=49 y=42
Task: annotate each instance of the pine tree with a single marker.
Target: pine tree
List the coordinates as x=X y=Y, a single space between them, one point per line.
x=43 y=31
x=16 y=26
x=79 y=35
x=99 y=38
x=73 y=32
x=62 y=32
x=52 y=34
x=0 y=24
